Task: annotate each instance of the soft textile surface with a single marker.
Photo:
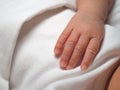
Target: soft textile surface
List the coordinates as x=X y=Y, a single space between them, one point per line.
x=28 y=32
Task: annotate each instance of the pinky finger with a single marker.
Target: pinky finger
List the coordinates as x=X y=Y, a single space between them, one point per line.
x=90 y=53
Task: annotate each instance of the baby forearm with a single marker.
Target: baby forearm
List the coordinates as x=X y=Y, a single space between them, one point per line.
x=97 y=8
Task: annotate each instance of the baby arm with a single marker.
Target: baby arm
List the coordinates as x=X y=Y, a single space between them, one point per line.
x=82 y=38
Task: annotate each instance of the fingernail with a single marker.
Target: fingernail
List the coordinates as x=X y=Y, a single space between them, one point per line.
x=69 y=67
x=57 y=52
x=84 y=67
x=63 y=64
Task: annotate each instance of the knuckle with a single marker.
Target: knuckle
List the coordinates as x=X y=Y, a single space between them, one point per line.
x=65 y=33
x=92 y=51
x=70 y=43
x=79 y=49
x=63 y=36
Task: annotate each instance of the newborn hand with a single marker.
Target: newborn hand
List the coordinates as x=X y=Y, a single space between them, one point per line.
x=80 y=41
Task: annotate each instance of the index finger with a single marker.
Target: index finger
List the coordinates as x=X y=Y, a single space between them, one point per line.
x=62 y=39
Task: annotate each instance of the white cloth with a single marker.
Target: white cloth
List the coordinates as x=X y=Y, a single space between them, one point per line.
x=28 y=32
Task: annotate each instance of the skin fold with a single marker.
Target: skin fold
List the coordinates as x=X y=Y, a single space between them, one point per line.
x=81 y=39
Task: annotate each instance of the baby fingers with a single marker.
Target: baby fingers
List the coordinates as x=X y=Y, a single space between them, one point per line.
x=68 y=48
x=78 y=52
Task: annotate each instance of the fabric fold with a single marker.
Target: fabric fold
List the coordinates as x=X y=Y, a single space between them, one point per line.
x=28 y=32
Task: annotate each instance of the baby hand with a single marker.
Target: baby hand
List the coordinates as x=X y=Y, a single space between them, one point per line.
x=80 y=41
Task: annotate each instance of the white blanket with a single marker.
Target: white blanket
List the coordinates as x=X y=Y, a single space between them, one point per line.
x=29 y=30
